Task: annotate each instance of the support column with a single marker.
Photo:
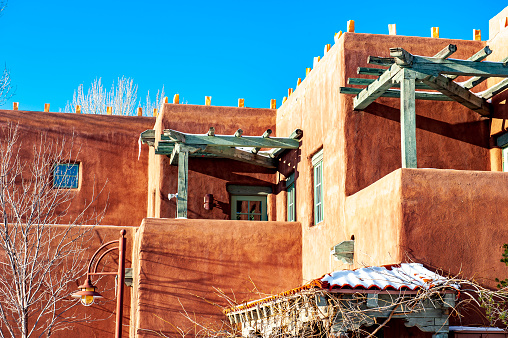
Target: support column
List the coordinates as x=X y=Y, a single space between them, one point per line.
x=408 y=119
x=183 y=169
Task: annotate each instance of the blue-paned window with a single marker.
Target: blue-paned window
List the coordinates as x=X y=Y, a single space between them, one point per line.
x=66 y=176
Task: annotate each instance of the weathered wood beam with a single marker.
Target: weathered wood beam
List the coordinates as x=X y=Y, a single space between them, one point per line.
x=183 y=172
x=238 y=133
x=381 y=61
x=476 y=80
x=429 y=96
x=402 y=57
x=366 y=82
x=297 y=134
x=174 y=135
x=370 y=71
x=173 y=160
x=266 y=134
x=376 y=89
x=232 y=141
x=477 y=57
x=433 y=66
x=408 y=119
x=446 y=52
x=459 y=94
x=211 y=131
x=495 y=89
x=148 y=136
x=242 y=156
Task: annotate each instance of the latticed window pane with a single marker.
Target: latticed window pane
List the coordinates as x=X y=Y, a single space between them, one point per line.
x=66 y=176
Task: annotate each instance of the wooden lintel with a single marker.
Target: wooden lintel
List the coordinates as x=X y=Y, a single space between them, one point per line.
x=376 y=89
x=242 y=156
x=458 y=93
x=419 y=95
x=366 y=82
x=231 y=141
x=446 y=52
x=370 y=71
x=495 y=89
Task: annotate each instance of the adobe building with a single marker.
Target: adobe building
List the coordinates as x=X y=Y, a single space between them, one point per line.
x=265 y=194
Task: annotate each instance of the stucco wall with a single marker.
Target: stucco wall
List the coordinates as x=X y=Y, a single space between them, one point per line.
x=208 y=176
x=363 y=147
x=107 y=149
x=180 y=262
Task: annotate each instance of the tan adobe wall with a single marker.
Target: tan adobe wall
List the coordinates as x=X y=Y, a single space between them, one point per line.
x=208 y=176
x=362 y=147
x=107 y=149
x=180 y=262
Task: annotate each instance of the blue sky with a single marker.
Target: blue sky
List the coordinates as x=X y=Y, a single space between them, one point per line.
x=254 y=50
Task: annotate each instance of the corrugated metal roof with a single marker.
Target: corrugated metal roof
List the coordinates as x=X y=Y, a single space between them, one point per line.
x=405 y=276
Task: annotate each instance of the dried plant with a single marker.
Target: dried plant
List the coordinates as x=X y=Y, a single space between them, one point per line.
x=313 y=312
x=40 y=259
x=122 y=99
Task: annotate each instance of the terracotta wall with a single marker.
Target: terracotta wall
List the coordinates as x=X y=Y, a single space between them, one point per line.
x=208 y=176
x=107 y=149
x=363 y=147
x=182 y=263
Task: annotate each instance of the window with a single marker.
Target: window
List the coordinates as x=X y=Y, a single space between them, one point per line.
x=505 y=159
x=290 y=188
x=317 y=164
x=248 y=208
x=66 y=176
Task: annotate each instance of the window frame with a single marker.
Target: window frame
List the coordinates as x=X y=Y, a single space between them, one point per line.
x=56 y=176
x=317 y=187
x=259 y=198
x=291 y=198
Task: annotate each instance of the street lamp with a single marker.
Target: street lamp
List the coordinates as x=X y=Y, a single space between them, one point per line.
x=87 y=293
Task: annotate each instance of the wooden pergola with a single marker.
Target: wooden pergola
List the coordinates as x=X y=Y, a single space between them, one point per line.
x=408 y=72
x=180 y=146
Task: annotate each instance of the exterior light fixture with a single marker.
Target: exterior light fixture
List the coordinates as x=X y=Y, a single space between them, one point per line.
x=87 y=293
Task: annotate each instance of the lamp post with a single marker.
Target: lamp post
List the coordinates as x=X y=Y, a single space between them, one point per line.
x=87 y=292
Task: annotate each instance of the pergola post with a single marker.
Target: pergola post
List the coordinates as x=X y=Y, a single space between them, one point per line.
x=183 y=169
x=408 y=118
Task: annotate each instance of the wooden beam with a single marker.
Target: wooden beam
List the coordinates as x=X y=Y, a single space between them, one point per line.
x=230 y=140
x=238 y=133
x=476 y=80
x=183 y=171
x=402 y=57
x=459 y=94
x=242 y=156
x=430 y=65
x=446 y=52
x=381 y=61
x=297 y=134
x=495 y=89
x=266 y=134
x=408 y=119
x=173 y=160
x=211 y=131
x=366 y=82
x=376 y=89
x=477 y=57
x=429 y=96
x=370 y=71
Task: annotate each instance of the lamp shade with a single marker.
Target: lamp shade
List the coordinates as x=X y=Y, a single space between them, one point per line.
x=87 y=293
